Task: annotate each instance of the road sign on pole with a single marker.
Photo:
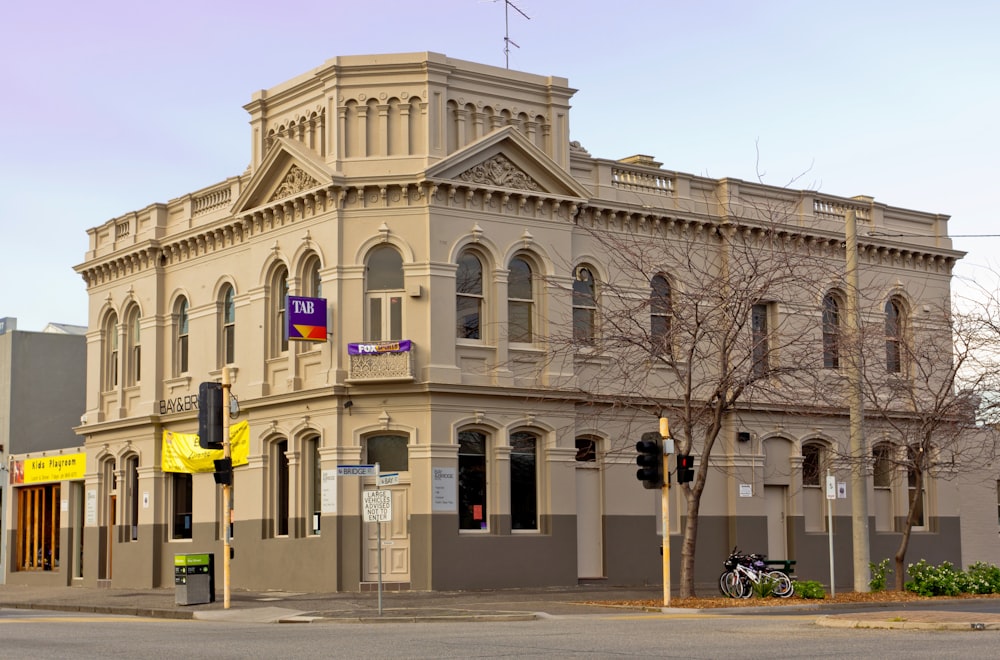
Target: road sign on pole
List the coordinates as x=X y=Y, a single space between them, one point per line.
x=357 y=471
x=377 y=506
x=388 y=479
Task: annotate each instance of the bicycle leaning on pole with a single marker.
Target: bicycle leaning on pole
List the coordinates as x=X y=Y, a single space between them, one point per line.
x=745 y=571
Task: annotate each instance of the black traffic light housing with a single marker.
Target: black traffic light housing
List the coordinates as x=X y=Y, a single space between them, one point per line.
x=210 y=415
x=224 y=471
x=650 y=460
x=685 y=468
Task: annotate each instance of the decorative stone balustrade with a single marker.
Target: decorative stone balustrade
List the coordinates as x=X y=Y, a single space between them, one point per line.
x=381 y=367
x=641 y=181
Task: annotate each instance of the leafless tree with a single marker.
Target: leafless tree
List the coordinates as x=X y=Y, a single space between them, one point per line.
x=696 y=320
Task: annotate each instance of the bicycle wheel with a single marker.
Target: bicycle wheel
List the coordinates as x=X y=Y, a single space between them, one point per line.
x=731 y=584
x=722 y=584
x=746 y=586
x=782 y=584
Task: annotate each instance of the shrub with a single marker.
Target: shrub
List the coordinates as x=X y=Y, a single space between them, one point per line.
x=764 y=587
x=981 y=578
x=927 y=580
x=878 y=573
x=809 y=589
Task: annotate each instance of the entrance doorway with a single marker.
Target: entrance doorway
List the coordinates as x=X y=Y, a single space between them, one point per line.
x=395 y=541
x=777 y=541
x=589 y=543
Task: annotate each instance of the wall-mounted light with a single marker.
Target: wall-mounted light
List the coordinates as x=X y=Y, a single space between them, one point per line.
x=347 y=406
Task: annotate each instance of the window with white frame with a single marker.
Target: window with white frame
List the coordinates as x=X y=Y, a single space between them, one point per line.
x=181 y=338
x=110 y=343
x=584 y=305
x=228 y=320
x=523 y=481
x=894 y=321
x=279 y=304
x=831 y=331
x=134 y=347
x=520 y=301
x=660 y=316
x=472 y=464
x=384 y=294
x=469 y=296
x=761 y=340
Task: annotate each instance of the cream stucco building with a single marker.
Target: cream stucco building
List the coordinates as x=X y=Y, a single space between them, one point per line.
x=439 y=207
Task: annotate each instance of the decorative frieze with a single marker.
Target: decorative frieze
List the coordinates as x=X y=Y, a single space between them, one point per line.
x=499 y=171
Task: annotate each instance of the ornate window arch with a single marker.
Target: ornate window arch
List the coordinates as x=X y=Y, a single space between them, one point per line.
x=520 y=300
x=384 y=283
x=469 y=298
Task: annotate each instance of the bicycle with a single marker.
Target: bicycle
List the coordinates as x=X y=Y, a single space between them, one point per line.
x=743 y=572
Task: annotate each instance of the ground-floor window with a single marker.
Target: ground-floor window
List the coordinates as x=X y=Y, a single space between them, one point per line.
x=523 y=481
x=472 y=480
x=181 y=486
x=37 y=535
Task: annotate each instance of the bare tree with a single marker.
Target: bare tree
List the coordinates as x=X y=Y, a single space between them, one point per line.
x=698 y=320
x=926 y=385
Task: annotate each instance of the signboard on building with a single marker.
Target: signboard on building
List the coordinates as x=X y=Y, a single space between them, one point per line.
x=306 y=318
x=373 y=348
x=443 y=490
x=66 y=467
x=356 y=471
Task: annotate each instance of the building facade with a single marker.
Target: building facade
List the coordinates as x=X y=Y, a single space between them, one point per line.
x=42 y=385
x=454 y=231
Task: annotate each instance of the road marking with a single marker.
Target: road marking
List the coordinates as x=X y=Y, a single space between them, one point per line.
x=74 y=619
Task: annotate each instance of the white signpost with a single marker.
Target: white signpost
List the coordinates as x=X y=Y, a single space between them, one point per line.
x=831 y=495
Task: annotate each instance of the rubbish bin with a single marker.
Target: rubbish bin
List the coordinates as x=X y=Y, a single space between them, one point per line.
x=194 y=578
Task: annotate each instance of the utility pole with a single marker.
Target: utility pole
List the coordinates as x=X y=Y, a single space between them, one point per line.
x=859 y=457
x=227 y=489
x=665 y=507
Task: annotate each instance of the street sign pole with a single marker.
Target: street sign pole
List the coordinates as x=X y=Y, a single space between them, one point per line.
x=831 y=493
x=378 y=538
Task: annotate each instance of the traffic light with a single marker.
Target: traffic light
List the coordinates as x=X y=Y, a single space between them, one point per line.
x=685 y=468
x=650 y=460
x=210 y=415
x=223 y=471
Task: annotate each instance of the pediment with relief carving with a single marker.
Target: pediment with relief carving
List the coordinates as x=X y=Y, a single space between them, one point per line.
x=294 y=182
x=500 y=171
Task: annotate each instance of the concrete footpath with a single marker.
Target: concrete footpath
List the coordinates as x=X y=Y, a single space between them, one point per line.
x=494 y=605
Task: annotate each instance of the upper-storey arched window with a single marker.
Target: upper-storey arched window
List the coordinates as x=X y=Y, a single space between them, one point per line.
x=520 y=301
x=660 y=315
x=181 y=338
x=584 y=305
x=812 y=463
x=384 y=294
x=279 y=304
x=894 y=322
x=133 y=370
x=110 y=343
x=228 y=322
x=831 y=331
x=469 y=296
x=312 y=282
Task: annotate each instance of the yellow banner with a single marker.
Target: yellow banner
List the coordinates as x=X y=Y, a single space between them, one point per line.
x=49 y=468
x=182 y=453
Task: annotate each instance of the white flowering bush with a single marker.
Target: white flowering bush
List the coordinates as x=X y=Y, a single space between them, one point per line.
x=946 y=580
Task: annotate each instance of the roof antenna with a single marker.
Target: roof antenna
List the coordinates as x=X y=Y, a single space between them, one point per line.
x=507 y=41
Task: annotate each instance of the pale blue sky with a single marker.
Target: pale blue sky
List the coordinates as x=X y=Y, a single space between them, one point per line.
x=109 y=106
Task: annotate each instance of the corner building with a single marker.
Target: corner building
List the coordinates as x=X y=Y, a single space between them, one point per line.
x=436 y=203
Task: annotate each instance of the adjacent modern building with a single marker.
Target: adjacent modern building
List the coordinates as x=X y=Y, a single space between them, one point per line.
x=456 y=235
x=42 y=388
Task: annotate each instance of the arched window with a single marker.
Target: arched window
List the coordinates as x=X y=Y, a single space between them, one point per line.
x=472 y=511
x=384 y=294
x=831 y=332
x=312 y=477
x=313 y=283
x=391 y=452
x=280 y=481
x=660 y=316
x=523 y=481
x=812 y=464
x=110 y=341
x=584 y=306
x=894 y=322
x=279 y=303
x=469 y=297
x=132 y=496
x=761 y=338
x=228 y=319
x=181 y=338
x=520 y=302
x=134 y=347
x=884 y=465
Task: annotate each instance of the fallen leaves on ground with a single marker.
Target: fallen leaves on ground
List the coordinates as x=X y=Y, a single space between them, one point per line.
x=841 y=597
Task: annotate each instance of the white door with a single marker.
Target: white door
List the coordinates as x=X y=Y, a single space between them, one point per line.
x=395 y=540
x=774 y=500
x=589 y=548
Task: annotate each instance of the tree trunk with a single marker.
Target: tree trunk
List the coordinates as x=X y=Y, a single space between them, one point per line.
x=689 y=542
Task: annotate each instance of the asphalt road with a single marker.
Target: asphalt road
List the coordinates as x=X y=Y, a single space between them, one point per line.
x=44 y=635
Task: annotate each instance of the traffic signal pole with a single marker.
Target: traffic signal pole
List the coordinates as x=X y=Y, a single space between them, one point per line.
x=665 y=510
x=227 y=489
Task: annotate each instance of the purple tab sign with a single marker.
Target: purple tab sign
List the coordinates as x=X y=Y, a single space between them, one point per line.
x=373 y=348
x=306 y=318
